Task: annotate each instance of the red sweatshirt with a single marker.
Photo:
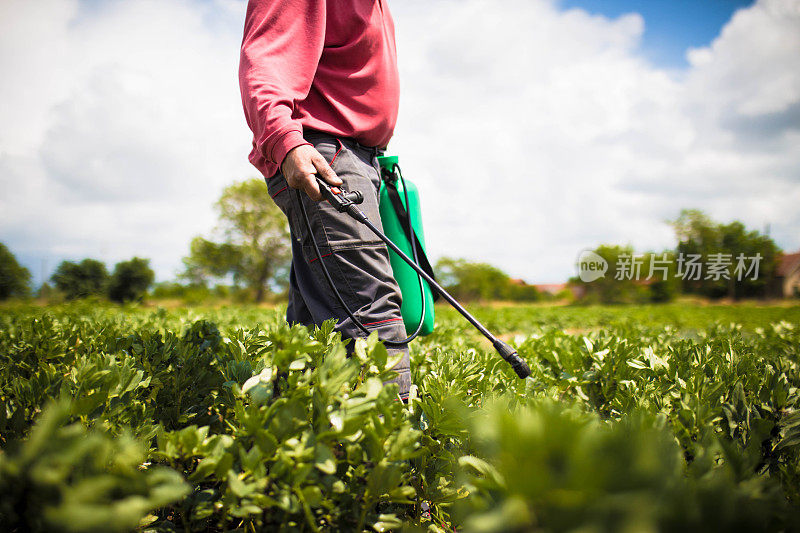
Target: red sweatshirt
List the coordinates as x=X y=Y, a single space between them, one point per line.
x=329 y=65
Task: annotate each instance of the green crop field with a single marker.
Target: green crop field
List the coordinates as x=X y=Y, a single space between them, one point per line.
x=652 y=418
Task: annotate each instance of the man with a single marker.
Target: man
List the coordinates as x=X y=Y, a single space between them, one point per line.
x=320 y=90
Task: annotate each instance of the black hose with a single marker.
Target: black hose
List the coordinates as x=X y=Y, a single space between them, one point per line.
x=414 y=255
x=508 y=353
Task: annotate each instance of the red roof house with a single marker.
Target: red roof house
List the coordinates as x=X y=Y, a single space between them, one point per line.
x=788 y=274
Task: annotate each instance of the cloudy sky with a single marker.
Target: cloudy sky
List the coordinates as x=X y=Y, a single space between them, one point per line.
x=533 y=128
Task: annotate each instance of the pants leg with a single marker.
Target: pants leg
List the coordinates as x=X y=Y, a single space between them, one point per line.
x=356 y=259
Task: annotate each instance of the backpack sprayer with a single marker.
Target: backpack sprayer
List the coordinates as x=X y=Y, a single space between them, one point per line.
x=398 y=220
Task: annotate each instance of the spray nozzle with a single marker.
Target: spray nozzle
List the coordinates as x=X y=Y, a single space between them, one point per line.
x=354 y=197
x=512 y=358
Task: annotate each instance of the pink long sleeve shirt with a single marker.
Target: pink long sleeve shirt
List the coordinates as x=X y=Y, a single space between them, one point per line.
x=328 y=65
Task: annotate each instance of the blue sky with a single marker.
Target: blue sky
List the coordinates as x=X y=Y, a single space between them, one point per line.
x=671 y=26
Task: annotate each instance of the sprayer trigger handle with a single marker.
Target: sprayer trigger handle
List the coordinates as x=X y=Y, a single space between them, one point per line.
x=510 y=355
x=338 y=198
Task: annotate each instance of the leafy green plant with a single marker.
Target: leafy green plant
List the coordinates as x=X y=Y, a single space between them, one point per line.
x=645 y=418
x=67 y=478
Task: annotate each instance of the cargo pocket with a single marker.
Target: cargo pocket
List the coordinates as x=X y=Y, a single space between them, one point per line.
x=341 y=232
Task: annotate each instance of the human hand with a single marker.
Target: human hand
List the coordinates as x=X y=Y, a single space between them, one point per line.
x=302 y=165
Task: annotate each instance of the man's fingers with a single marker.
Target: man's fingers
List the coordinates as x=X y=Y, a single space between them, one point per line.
x=301 y=167
x=311 y=187
x=325 y=171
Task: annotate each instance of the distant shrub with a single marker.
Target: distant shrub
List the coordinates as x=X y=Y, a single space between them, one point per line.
x=79 y=280
x=14 y=278
x=130 y=280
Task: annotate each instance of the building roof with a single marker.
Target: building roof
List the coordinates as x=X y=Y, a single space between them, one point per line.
x=788 y=263
x=552 y=288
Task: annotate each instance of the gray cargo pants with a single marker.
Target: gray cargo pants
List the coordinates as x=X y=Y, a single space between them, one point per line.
x=357 y=260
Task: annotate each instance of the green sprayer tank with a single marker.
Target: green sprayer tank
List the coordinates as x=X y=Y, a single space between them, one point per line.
x=406 y=277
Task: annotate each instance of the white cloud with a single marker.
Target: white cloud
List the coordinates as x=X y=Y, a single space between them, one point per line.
x=532 y=132
x=124 y=125
x=754 y=66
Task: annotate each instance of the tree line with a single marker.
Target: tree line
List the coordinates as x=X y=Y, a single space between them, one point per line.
x=129 y=281
x=711 y=260
x=247 y=257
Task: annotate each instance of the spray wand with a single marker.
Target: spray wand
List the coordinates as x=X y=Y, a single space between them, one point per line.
x=347 y=202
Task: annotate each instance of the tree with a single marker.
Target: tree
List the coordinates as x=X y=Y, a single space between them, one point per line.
x=631 y=277
x=725 y=244
x=254 y=242
x=664 y=285
x=209 y=260
x=14 y=278
x=45 y=291
x=130 y=280
x=738 y=241
x=480 y=281
x=617 y=285
x=79 y=280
